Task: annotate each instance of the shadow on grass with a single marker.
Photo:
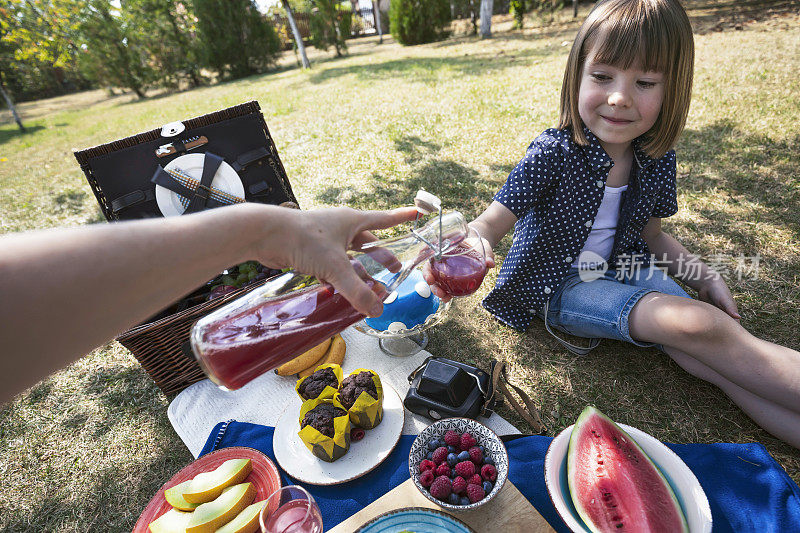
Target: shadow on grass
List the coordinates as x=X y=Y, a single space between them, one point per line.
x=460 y=187
x=115 y=487
x=71 y=201
x=11 y=131
x=428 y=69
x=760 y=177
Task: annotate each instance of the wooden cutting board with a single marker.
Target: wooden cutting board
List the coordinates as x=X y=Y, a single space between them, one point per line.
x=509 y=511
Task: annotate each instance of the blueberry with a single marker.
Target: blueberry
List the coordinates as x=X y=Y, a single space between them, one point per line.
x=487 y=487
x=453 y=498
x=452 y=449
x=452 y=459
x=488 y=460
x=453 y=473
x=463 y=500
x=463 y=456
x=432 y=445
x=429 y=456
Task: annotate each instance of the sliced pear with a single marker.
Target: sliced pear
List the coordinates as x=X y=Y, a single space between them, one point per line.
x=212 y=515
x=174 y=497
x=207 y=486
x=173 y=521
x=246 y=521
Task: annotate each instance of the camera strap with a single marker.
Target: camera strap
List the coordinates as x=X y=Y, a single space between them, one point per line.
x=501 y=384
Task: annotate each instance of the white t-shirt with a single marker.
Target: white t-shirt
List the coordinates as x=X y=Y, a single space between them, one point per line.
x=600 y=243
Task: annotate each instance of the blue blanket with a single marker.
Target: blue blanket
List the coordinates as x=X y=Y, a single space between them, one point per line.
x=746 y=488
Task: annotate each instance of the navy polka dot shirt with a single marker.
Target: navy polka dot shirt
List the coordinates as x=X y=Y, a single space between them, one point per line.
x=555 y=192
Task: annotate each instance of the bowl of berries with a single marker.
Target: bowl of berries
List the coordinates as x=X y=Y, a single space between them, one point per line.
x=458 y=464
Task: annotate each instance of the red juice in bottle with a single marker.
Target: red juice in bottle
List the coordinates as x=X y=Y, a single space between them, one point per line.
x=459 y=275
x=244 y=346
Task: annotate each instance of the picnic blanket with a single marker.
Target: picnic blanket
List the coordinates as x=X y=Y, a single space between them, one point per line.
x=262 y=401
x=746 y=489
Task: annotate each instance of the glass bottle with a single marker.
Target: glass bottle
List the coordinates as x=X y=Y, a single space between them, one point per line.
x=287 y=316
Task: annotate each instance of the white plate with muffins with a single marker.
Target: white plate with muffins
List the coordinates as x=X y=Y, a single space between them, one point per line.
x=363 y=456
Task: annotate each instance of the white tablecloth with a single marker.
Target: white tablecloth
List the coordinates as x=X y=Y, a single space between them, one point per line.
x=198 y=408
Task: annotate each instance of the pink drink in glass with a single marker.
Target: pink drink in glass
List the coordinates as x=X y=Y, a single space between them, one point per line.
x=460 y=272
x=295 y=516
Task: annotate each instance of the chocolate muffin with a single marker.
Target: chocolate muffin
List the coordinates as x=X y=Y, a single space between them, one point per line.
x=353 y=385
x=321 y=418
x=313 y=385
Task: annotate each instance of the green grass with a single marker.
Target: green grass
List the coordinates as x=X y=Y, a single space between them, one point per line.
x=88 y=447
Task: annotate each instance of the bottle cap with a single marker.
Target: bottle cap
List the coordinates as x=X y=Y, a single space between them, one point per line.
x=426 y=202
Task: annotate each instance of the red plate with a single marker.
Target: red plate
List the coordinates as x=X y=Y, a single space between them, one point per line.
x=264 y=477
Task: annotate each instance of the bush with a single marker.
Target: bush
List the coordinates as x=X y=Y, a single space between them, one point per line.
x=419 y=21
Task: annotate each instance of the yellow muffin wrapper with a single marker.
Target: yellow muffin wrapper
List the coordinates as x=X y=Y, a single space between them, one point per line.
x=326 y=448
x=367 y=412
x=327 y=392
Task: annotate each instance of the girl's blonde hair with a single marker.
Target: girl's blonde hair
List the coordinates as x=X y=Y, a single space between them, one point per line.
x=658 y=34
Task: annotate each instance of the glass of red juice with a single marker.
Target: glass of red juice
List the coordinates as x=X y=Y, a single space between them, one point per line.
x=290 y=509
x=460 y=270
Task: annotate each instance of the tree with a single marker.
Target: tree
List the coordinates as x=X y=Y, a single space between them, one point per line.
x=165 y=29
x=330 y=25
x=517 y=9
x=236 y=40
x=376 y=13
x=113 y=51
x=298 y=39
x=10 y=104
x=486 y=18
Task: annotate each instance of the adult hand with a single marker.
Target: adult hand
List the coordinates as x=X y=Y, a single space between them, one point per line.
x=716 y=292
x=317 y=244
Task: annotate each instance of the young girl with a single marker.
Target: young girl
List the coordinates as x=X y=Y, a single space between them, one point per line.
x=587 y=201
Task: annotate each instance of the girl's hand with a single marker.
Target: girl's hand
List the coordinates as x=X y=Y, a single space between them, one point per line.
x=437 y=290
x=716 y=292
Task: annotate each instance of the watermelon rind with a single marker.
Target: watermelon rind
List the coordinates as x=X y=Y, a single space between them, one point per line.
x=585 y=417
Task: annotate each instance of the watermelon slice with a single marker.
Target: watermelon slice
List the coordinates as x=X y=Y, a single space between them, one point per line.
x=614 y=484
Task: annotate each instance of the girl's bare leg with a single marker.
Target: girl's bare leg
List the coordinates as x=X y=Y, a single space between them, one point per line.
x=717 y=341
x=781 y=422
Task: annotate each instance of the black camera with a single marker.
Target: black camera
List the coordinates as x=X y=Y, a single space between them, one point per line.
x=441 y=388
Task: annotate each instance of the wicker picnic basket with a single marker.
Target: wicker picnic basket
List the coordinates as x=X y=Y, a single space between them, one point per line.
x=119 y=174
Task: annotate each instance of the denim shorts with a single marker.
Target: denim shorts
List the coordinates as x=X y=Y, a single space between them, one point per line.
x=600 y=308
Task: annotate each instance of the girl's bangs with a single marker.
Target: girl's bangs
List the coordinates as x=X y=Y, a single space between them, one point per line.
x=619 y=42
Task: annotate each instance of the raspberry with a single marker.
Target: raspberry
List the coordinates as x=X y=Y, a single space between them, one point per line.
x=356 y=434
x=426 y=478
x=459 y=485
x=467 y=441
x=441 y=488
x=443 y=470
x=439 y=455
x=475 y=493
x=451 y=438
x=475 y=480
x=476 y=455
x=465 y=469
x=426 y=464
x=489 y=472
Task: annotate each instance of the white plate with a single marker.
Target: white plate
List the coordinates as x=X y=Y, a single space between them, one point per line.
x=226 y=180
x=684 y=484
x=298 y=461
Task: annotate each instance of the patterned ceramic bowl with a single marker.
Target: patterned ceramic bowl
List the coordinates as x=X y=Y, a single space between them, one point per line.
x=492 y=445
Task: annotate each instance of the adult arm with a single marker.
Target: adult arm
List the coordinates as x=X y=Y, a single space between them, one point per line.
x=706 y=281
x=64 y=292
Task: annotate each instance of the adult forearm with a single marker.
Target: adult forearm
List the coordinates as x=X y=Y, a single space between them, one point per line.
x=65 y=291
